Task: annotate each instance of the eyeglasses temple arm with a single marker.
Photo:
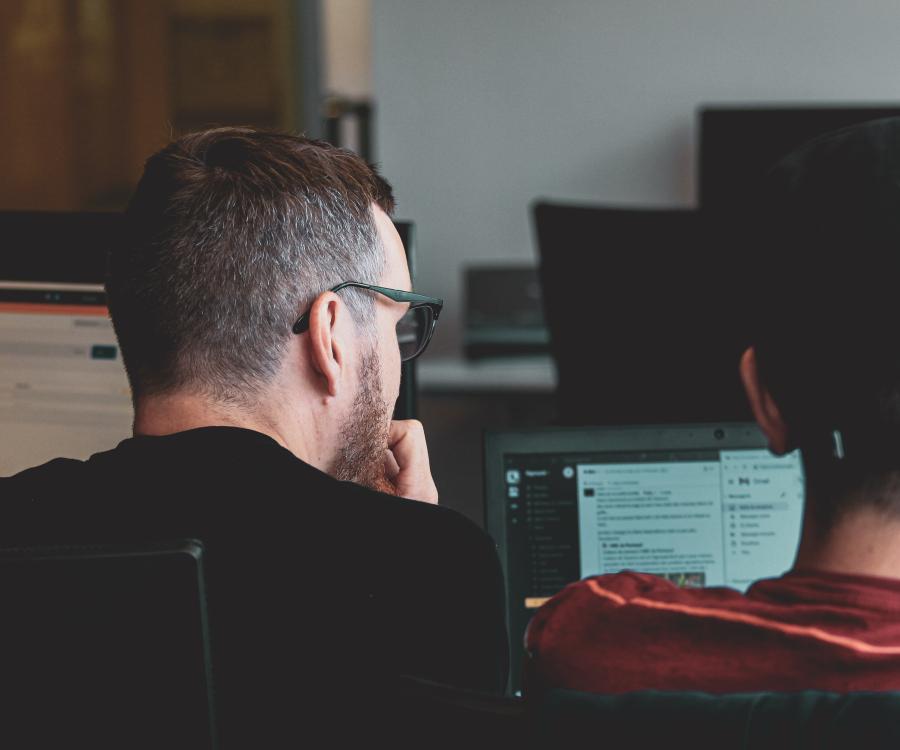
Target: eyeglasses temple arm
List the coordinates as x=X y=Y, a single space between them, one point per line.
x=398 y=295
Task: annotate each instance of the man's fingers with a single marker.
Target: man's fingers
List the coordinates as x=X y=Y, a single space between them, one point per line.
x=410 y=451
x=407 y=443
x=391 y=467
x=405 y=428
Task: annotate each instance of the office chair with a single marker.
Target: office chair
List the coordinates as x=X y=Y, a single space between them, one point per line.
x=568 y=719
x=419 y=713
x=105 y=646
x=430 y=715
x=648 y=314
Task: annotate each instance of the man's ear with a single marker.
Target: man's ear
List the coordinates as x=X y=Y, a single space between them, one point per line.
x=765 y=410
x=326 y=352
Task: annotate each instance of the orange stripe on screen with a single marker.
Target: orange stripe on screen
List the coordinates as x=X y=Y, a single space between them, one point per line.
x=40 y=308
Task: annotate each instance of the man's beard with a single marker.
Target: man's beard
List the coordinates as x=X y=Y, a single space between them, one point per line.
x=361 y=459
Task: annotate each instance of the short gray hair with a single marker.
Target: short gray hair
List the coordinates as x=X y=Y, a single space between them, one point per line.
x=230 y=236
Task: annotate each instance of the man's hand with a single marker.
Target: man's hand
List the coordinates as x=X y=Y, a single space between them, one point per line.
x=406 y=462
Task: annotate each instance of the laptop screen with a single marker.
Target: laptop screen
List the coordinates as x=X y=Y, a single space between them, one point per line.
x=63 y=388
x=701 y=505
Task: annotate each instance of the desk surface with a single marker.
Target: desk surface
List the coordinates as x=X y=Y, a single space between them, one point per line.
x=531 y=374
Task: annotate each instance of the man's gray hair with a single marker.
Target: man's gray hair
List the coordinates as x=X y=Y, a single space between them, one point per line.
x=230 y=236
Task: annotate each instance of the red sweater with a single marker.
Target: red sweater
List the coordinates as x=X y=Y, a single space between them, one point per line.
x=805 y=630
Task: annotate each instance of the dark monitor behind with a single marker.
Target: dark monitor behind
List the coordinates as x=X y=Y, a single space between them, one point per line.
x=57 y=246
x=647 y=315
x=503 y=310
x=739 y=144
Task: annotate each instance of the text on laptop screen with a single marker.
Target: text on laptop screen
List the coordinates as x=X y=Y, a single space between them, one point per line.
x=63 y=388
x=699 y=518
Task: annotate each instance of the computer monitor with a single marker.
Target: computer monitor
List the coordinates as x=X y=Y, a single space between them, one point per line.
x=701 y=505
x=504 y=314
x=59 y=246
x=738 y=144
x=63 y=388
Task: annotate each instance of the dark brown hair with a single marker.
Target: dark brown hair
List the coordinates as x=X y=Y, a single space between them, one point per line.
x=230 y=235
x=827 y=232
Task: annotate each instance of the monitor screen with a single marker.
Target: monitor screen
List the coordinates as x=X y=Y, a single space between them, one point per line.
x=63 y=388
x=698 y=505
x=738 y=144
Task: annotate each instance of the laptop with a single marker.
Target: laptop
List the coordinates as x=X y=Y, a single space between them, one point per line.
x=700 y=505
x=63 y=387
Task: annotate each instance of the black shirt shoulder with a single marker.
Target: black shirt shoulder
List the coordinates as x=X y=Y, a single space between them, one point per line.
x=421 y=581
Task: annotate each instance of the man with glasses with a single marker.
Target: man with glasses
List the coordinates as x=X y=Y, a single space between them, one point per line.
x=263 y=305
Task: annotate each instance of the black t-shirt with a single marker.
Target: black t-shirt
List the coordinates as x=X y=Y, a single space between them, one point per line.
x=314 y=585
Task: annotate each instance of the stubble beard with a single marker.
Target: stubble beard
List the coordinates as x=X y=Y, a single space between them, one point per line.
x=361 y=458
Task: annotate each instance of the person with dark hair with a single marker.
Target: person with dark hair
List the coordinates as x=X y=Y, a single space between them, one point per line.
x=822 y=376
x=261 y=298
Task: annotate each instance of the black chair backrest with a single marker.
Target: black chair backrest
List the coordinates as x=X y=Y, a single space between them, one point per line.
x=647 y=314
x=418 y=714
x=754 y=721
x=105 y=647
x=414 y=713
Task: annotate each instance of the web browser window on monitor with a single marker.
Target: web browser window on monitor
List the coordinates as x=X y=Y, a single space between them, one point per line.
x=63 y=388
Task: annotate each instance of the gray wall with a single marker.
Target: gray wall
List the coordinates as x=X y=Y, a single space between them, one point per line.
x=486 y=104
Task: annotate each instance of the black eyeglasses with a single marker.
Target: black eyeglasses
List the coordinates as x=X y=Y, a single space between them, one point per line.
x=414 y=329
